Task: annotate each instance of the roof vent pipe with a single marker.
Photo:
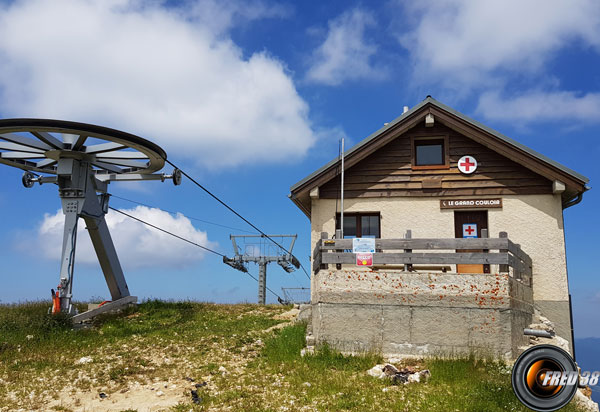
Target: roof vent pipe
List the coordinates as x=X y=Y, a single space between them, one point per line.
x=405 y=109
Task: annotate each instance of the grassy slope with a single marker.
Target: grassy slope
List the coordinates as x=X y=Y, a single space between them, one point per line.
x=167 y=342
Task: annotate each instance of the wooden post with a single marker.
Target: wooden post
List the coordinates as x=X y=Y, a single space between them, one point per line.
x=408 y=266
x=338 y=235
x=324 y=236
x=317 y=257
x=503 y=268
x=517 y=270
x=484 y=235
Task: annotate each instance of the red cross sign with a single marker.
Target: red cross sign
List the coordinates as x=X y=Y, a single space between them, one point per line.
x=470 y=230
x=467 y=164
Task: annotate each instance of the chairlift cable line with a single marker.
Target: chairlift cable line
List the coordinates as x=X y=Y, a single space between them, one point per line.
x=234 y=212
x=166 y=231
x=172 y=212
x=143 y=204
x=186 y=240
x=193 y=218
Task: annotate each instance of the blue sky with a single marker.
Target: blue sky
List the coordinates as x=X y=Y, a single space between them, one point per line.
x=250 y=97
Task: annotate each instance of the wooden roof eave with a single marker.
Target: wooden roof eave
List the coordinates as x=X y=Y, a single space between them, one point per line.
x=493 y=140
x=298 y=202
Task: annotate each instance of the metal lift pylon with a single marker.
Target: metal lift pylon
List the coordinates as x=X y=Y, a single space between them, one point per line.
x=82 y=159
x=286 y=260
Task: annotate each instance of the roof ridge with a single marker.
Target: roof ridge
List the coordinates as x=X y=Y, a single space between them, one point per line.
x=471 y=121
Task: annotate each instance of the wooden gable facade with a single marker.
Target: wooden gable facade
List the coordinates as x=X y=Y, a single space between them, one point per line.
x=389 y=171
x=382 y=165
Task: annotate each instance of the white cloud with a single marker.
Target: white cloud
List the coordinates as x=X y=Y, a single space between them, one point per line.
x=541 y=106
x=345 y=54
x=468 y=44
x=163 y=73
x=221 y=15
x=137 y=245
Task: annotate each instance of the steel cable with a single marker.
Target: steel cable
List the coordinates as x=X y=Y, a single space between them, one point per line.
x=166 y=231
x=174 y=213
x=236 y=213
x=188 y=241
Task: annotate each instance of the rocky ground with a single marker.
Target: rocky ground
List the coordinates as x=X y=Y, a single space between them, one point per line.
x=186 y=356
x=152 y=370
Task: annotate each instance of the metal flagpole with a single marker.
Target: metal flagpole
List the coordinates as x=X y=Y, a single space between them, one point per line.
x=342 y=191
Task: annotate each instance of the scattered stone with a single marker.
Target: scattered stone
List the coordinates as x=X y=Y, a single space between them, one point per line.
x=390 y=370
x=419 y=377
x=160 y=393
x=307 y=384
x=84 y=360
x=402 y=376
x=29 y=337
x=309 y=350
x=277 y=327
x=587 y=391
x=195 y=398
x=584 y=402
x=377 y=371
x=291 y=314
x=223 y=371
x=542 y=323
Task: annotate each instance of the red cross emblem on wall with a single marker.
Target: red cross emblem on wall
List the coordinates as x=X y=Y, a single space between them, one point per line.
x=470 y=230
x=467 y=164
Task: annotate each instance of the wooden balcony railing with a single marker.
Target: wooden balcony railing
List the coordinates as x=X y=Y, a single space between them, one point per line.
x=411 y=251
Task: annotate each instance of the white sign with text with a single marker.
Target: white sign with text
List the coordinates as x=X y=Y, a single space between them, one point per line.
x=363 y=245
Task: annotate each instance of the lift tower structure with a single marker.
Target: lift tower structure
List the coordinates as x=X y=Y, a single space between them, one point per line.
x=82 y=159
x=261 y=250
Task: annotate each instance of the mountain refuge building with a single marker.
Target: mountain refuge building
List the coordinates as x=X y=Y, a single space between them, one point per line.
x=452 y=236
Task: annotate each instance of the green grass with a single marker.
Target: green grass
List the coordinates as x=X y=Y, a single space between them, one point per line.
x=265 y=369
x=340 y=382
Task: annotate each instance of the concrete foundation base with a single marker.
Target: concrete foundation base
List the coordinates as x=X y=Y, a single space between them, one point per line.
x=423 y=314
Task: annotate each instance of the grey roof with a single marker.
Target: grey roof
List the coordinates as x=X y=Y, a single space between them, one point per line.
x=431 y=100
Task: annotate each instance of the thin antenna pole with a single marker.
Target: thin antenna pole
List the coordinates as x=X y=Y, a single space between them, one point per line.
x=342 y=191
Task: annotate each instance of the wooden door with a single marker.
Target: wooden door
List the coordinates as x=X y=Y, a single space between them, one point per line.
x=470 y=224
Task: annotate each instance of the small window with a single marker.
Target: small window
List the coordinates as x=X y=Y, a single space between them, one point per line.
x=360 y=225
x=430 y=153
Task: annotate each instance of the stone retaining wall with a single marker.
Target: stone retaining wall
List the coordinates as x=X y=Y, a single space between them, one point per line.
x=425 y=314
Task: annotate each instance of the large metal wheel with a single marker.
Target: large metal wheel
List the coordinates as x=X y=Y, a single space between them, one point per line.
x=37 y=144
